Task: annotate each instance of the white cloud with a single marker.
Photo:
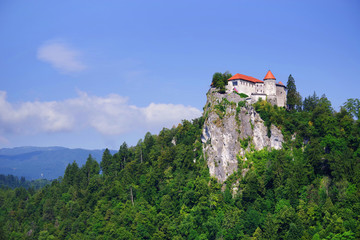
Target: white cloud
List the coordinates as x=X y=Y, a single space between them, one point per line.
x=158 y=113
x=61 y=57
x=110 y=115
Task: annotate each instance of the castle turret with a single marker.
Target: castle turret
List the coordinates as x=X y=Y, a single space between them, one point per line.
x=270 y=87
x=281 y=94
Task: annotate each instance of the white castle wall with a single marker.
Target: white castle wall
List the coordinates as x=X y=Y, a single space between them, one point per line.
x=242 y=86
x=259 y=87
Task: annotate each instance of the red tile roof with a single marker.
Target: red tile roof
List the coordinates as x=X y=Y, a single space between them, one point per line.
x=280 y=84
x=269 y=75
x=244 y=77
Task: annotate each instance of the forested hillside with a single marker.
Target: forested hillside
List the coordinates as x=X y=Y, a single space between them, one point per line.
x=161 y=188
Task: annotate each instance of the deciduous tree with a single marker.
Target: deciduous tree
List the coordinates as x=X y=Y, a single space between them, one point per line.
x=220 y=80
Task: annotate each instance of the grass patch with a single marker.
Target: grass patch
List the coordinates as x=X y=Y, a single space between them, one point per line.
x=242 y=95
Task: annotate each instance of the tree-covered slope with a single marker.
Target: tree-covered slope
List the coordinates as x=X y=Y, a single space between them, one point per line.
x=161 y=188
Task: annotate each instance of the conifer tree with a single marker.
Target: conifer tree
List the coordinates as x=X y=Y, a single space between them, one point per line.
x=293 y=97
x=123 y=156
x=90 y=169
x=310 y=103
x=107 y=162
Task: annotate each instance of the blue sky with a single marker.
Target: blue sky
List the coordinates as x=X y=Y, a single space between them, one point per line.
x=94 y=74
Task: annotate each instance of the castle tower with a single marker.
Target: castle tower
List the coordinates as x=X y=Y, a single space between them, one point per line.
x=281 y=94
x=270 y=87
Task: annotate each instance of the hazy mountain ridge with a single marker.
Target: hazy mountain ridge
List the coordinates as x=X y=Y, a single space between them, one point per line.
x=27 y=149
x=42 y=162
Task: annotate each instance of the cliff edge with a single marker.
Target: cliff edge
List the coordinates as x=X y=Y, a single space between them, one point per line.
x=231 y=128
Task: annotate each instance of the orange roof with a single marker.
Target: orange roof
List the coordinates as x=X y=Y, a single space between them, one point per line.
x=280 y=84
x=244 y=77
x=269 y=75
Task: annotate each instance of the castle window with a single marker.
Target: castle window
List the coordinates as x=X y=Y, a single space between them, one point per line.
x=235 y=83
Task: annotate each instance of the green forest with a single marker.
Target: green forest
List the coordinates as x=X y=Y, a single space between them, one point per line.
x=161 y=188
x=12 y=181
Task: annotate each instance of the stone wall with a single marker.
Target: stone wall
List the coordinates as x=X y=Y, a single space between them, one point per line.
x=270 y=87
x=281 y=96
x=256 y=96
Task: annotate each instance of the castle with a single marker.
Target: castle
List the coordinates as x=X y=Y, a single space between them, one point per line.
x=273 y=92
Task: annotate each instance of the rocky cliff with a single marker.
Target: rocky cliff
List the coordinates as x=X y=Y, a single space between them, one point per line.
x=231 y=128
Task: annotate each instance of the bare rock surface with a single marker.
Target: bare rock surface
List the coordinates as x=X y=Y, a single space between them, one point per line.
x=229 y=131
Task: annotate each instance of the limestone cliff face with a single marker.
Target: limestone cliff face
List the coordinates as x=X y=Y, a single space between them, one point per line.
x=231 y=129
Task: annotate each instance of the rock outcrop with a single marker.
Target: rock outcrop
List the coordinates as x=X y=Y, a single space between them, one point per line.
x=231 y=128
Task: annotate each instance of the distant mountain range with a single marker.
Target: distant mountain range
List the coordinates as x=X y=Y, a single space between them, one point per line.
x=42 y=162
